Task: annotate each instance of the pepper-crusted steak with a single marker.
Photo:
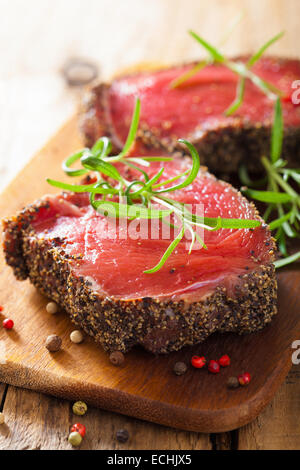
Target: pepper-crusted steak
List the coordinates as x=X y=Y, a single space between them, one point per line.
x=59 y=243
x=195 y=111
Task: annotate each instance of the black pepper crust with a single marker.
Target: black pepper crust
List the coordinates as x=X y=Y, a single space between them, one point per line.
x=222 y=146
x=160 y=326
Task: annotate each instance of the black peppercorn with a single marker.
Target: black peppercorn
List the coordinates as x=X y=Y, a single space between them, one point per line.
x=122 y=435
x=53 y=343
x=233 y=382
x=117 y=358
x=180 y=368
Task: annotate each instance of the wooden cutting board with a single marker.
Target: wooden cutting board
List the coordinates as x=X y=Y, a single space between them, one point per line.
x=145 y=386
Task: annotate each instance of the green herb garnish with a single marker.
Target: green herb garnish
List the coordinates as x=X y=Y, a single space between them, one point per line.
x=136 y=198
x=243 y=70
x=282 y=198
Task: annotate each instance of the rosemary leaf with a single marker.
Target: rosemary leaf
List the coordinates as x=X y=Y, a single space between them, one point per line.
x=190 y=73
x=102 y=147
x=167 y=253
x=72 y=159
x=216 y=55
x=152 y=159
x=232 y=223
x=96 y=164
x=285 y=261
x=194 y=171
x=262 y=50
x=277 y=132
x=269 y=196
x=126 y=211
x=278 y=222
x=239 y=97
x=133 y=129
x=84 y=188
x=247 y=181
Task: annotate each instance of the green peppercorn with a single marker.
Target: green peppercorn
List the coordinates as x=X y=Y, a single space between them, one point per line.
x=79 y=408
x=75 y=439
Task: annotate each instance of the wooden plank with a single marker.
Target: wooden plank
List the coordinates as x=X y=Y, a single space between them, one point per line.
x=224 y=440
x=34 y=421
x=102 y=427
x=170 y=20
x=145 y=387
x=38 y=422
x=3 y=388
x=277 y=428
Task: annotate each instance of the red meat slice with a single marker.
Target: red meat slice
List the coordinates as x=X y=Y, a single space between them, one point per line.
x=195 y=111
x=61 y=244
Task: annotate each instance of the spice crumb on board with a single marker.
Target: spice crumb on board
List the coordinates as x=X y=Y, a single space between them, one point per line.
x=224 y=361
x=53 y=343
x=117 y=358
x=213 y=367
x=78 y=427
x=198 y=362
x=52 y=308
x=76 y=337
x=179 y=368
x=75 y=439
x=244 y=379
x=79 y=408
x=233 y=382
x=122 y=435
x=8 y=324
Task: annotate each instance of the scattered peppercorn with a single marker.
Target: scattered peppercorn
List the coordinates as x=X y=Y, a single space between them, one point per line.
x=179 y=368
x=53 y=343
x=79 y=408
x=75 y=439
x=224 y=361
x=2 y=419
x=117 y=358
x=52 y=308
x=8 y=324
x=214 y=367
x=244 y=379
x=76 y=337
x=233 y=382
x=198 y=362
x=122 y=435
x=78 y=427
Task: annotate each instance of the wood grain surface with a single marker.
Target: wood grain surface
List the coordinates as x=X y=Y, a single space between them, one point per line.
x=35 y=101
x=145 y=386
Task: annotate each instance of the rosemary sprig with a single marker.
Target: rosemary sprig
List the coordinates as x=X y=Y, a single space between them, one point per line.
x=113 y=196
x=190 y=73
x=282 y=197
x=243 y=71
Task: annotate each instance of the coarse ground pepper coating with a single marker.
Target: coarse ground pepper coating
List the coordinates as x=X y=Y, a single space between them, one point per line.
x=120 y=324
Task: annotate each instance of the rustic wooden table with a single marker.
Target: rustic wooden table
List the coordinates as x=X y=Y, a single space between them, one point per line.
x=36 y=39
